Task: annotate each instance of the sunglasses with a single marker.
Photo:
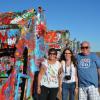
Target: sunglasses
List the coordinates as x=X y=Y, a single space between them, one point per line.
x=52 y=53
x=67 y=53
x=84 y=47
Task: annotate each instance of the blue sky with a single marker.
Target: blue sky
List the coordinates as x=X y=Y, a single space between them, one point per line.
x=80 y=17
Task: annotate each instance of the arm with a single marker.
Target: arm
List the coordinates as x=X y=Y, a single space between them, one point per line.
x=60 y=77
x=41 y=73
x=60 y=82
x=76 y=80
x=97 y=62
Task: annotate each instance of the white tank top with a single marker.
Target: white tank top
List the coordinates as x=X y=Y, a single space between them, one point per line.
x=70 y=70
x=50 y=78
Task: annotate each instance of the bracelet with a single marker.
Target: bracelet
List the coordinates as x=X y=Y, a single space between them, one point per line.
x=38 y=87
x=76 y=87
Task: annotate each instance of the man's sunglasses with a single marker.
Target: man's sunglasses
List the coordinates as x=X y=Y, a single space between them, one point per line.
x=84 y=47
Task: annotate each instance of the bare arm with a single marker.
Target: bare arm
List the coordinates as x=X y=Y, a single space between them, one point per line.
x=76 y=78
x=60 y=82
x=60 y=77
x=60 y=74
x=41 y=73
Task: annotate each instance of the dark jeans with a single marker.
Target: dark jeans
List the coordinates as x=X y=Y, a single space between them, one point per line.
x=48 y=93
x=68 y=88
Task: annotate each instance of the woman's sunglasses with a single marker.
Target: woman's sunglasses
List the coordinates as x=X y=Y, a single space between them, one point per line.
x=52 y=53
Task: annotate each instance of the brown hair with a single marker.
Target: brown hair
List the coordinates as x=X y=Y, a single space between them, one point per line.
x=73 y=59
x=52 y=50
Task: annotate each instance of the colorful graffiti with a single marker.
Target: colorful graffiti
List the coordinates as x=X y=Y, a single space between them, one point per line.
x=24 y=43
x=20 y=31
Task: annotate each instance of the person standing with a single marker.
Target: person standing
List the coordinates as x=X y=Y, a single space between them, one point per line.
x=88 y=70
x=69 y=78
x=48 y=81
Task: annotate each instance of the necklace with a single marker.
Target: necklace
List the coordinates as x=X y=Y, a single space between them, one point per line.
x=66 y=65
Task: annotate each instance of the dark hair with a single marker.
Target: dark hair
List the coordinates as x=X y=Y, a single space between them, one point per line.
x=52 y=50
x=72 y=57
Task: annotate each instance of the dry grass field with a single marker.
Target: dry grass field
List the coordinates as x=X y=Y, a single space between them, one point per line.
x=98 y=53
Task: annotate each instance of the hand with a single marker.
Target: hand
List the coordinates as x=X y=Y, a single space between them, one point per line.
x=59 y=93
x=39 y=90
x=76 y=91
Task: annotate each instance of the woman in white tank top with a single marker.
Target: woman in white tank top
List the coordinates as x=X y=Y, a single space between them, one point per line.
x=69 y=80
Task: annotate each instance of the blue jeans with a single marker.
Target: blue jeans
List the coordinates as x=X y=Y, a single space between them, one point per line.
x=68 y=88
